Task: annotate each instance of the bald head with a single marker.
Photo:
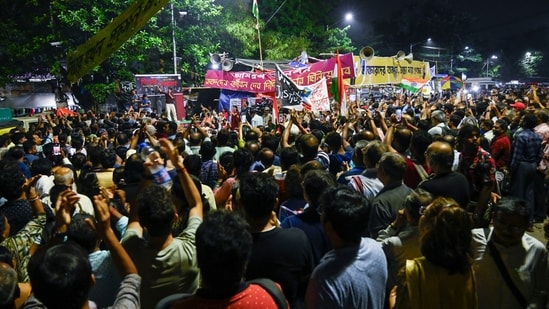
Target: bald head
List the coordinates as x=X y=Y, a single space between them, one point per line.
x=63 y=176
x=440 y=156
x=366 y=135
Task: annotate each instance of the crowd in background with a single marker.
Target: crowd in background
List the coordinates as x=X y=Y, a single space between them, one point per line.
x=400 y=201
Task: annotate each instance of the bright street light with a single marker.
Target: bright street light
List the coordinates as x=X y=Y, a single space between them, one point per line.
x=528 y=54
x=348 y=17
x=420 y=42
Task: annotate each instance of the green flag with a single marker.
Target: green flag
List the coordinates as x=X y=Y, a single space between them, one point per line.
x=255 y=9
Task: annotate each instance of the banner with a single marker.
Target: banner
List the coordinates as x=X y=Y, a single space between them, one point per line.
x=319 y=99
x=265 y=81
x=388 y=70
x=108 y=40
x=148 y=83
x=287 y=93
x=312 y=97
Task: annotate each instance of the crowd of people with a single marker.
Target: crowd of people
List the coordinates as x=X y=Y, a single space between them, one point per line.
x=399 y=202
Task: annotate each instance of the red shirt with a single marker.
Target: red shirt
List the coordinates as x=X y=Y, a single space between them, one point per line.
x=501 y=151
x=251 y=297
x=412 y=177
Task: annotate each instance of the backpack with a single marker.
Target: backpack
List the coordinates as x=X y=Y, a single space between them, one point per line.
x=267 y=284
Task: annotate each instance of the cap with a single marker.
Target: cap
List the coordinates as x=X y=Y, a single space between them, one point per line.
x=518 y=105
x=101 y=131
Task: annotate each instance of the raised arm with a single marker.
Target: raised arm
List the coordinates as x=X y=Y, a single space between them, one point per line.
x=32 y=196
x=200 y=129
x=286 y=134
x=296 y=119
x=372 y=124
x=389 y=138
x=191 y=192
x=120 y=257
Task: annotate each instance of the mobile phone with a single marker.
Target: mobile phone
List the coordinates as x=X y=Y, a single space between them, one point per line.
x=398 y=114
x=56 y=150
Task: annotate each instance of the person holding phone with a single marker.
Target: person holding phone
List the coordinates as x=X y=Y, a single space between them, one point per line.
x=398 y=115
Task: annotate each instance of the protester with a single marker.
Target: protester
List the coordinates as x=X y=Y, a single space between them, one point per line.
x=83 y=151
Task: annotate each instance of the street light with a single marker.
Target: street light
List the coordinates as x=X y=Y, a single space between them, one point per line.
x=347 y=19
x=420 y=42
x=181 y=14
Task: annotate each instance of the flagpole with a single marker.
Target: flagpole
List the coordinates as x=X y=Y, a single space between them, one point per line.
x=255 y=12
x=259 y=39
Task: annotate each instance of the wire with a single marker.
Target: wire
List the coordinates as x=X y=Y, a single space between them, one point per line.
x=278 y=9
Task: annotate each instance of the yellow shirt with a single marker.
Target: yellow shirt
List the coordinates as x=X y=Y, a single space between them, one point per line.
x=424 y=285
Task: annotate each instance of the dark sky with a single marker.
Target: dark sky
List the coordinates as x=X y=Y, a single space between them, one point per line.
x=499 y=16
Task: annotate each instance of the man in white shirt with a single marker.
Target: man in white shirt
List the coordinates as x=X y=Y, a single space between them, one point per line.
x=257 y=120
x=438 y=119
x=523 y=260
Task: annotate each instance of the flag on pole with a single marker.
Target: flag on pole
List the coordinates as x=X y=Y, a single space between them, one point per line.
x=433 y=70
x=338 y=88
x=413 y=85
x=288 y=94
x=274 y=111
x=255 y=9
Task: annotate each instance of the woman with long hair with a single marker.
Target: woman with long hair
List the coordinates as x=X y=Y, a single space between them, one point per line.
x=443 y=277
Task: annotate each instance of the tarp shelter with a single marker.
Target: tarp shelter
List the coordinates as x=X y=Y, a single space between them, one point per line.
x=36 y=100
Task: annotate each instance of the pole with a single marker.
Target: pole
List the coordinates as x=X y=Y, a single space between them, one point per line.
x=173 y=41
x=488 y=67
x=259 y=40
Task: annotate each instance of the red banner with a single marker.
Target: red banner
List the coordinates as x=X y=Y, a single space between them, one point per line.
x=265 y=81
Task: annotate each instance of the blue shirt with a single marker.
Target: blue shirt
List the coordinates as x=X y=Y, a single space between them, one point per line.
x=526 y=148
x=349 y=277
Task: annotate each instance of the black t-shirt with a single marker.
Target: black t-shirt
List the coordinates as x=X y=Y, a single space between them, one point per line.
x=284 y=256
x=453 y=185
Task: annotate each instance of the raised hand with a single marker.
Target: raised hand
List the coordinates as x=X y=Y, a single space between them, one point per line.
x=29 y=186
x=102 y=214
x=64 y=207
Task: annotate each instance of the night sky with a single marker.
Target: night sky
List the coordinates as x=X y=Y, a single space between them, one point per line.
x=494 y=17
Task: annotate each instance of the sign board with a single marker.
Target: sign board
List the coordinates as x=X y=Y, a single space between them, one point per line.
x=259 y=82
x=148 y=83
x=387 y=70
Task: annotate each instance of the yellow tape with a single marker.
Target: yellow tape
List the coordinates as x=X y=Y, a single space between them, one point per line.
x=103 y=44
